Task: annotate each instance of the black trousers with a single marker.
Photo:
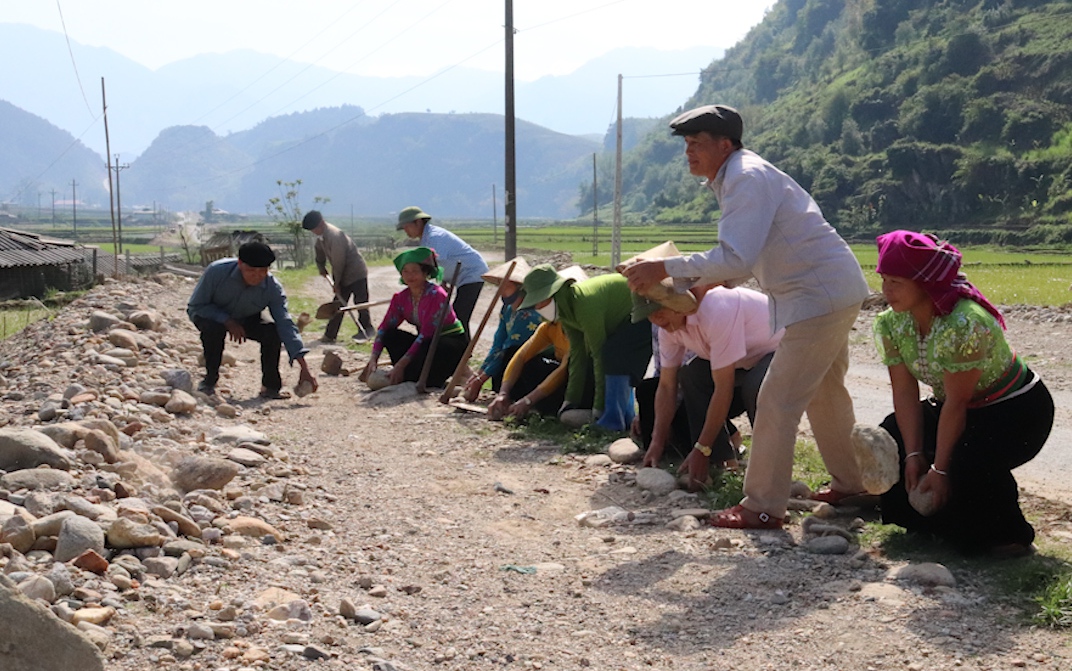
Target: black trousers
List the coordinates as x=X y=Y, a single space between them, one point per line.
x=449 y=351
x=214 y=334
x=359 y=291
x=698 y=387
x=465 y=302
x=983 y=510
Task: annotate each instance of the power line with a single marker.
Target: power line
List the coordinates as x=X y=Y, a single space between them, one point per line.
x=73 y=64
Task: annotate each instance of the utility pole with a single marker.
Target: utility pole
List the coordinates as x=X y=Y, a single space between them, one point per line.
x=111 y=192
x=510 y=232
x=53 y=207
x=39 y=217
x=494 y=219
x=119 y=205
x=595 y=208
x=74 y=209
x=616 y=231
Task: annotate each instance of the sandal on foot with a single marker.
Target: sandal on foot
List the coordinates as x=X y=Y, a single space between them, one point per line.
x=739 y=517
x=274 y=393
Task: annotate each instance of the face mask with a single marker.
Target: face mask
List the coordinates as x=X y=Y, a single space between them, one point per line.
x=549 y=312
x=507 y=300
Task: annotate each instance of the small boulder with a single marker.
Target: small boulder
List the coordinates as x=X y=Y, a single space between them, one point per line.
x=125 y=533
x=876 y=457
x=147 y=320
x=625 y=451
x=102 y=321
x=332 y=363
x=37 y=478
x=576 y=418
x=203 y=473
x=927 y=574
x=656 y=481
x=78 y=534
x=178 y=378
x=180 y=403
x=26 y=448
x=103 y=444
x=922 y=501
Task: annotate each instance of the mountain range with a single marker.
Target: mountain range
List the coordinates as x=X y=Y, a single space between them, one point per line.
x=234 y=91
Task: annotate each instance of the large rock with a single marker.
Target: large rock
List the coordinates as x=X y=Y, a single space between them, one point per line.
x=65 y=434
x=332 y=363
x=624 y=451
x=203 y=473
x=148 y=320
x=927 y=574
x=35 y=640
x=37 y=478
x=178 y=378
x=26 y=448
x=876 y=456
x=103 y=444
x=242 y=433
x=125 y=533
x=251 y=526
x=102 y=321
x=78 y=534
x=180 y=403
x=656 y=481
x=922 y=501
x=18 y=533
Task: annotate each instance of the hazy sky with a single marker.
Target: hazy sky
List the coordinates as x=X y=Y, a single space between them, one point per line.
x=392 y=37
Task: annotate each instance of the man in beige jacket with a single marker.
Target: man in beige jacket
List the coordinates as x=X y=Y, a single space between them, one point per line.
x=348 y=271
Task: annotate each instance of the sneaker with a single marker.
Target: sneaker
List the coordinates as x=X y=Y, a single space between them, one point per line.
x=206 y=388
x=327 y=341
x=361 y=337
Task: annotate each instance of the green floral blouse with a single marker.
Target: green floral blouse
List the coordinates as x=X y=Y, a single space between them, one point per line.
x=968 y=337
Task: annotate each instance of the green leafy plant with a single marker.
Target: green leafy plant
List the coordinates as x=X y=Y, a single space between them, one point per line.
x=285 y=210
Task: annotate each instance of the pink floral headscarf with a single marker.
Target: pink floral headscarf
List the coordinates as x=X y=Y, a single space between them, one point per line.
x=935 y=264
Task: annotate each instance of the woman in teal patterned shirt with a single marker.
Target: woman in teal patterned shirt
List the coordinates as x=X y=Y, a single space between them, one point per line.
x=988 y=413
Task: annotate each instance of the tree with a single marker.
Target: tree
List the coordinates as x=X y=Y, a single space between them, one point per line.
x=285 y=210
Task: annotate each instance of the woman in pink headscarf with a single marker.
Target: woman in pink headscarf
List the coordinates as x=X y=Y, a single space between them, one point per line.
x=988 y=413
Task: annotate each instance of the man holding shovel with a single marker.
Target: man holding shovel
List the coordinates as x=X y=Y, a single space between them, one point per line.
x=349 y=275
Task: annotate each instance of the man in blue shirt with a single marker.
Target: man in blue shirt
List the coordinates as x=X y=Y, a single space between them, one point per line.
x=450 y=250
x=228 y=300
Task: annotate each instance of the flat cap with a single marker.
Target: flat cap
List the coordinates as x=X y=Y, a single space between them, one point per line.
x=715 y=119
x=256 y=254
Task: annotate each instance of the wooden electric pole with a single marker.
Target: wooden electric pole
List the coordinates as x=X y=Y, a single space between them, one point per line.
x=111 y=190
x=616 y=231
x=510 y=231
x=119 y=205
x=495 y=219
x=74 y=209
x=595 y=208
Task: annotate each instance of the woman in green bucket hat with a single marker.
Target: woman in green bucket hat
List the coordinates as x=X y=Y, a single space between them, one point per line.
x=418 y=304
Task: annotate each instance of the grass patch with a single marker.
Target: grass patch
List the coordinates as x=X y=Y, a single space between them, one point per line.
x=589 y=439
x=295 y=278
x=14 y=320
x=1040 y=586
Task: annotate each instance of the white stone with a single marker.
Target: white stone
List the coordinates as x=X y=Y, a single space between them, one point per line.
x=877 y=458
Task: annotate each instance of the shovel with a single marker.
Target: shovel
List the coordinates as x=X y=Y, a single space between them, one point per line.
x=332 y=308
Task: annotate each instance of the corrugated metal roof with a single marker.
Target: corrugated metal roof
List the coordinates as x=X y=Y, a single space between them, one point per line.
x=20 y=249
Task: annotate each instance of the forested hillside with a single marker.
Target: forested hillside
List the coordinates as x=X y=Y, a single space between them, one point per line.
x=40 y=161
x=936 y=114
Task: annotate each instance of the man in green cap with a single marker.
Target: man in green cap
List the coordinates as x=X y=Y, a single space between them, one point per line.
x=595 y=315
x=450 y=250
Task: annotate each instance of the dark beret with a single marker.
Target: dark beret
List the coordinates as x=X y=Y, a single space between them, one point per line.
x=312 y=220
x=715 y=119
x=256 y=254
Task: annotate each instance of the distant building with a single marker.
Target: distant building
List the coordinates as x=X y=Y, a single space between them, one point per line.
x=31 y=264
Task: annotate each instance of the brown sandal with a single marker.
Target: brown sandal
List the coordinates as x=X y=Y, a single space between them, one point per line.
x=739 y=517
